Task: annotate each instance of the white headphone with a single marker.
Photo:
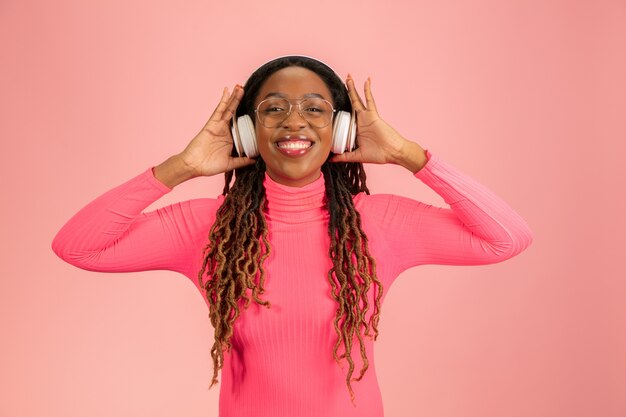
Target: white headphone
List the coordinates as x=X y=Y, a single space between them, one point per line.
x=344 y=129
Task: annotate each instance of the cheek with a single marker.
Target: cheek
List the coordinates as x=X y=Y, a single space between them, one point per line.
x=326 y=137
x=262 y=137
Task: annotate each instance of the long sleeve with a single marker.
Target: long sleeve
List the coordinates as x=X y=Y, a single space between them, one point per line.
x=111 y=234
x=478 y=228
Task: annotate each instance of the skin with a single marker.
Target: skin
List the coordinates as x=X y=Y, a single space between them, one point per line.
x=209 y=152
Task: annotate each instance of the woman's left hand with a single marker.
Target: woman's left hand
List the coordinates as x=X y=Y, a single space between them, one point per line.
x=378 y=142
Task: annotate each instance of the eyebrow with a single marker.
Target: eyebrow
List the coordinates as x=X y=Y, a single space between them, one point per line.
x=281 y=95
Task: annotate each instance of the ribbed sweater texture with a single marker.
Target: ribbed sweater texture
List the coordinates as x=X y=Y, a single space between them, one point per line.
x=281 y=363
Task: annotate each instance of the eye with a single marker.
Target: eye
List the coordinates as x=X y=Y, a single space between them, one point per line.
x=273 y=107
x=314 y=109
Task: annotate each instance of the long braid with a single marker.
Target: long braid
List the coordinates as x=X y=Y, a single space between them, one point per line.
x=233 y=258
x=354 y=269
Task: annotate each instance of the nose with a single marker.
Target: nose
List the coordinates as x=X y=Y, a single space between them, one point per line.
x=294 y=120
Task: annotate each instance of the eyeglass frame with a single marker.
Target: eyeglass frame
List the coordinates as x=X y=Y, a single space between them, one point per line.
x=299 y=100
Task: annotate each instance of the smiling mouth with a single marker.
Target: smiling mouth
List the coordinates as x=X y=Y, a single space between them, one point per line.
x=294 y=144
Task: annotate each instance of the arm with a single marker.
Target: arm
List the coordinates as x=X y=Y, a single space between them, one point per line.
x=111 y=234
x=478 y=228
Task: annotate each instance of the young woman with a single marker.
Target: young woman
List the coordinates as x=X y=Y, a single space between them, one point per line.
x=295 y=257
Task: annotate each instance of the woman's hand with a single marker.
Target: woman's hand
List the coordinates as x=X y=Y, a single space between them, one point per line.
x=208 y=153
x=379 y=143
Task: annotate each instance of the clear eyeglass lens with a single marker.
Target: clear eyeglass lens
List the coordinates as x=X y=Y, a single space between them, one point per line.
x=273 y=111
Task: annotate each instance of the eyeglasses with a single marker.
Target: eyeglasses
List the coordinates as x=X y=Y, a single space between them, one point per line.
x=316 y=111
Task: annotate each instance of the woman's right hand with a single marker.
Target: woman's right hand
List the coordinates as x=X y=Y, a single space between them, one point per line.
x=209 y=153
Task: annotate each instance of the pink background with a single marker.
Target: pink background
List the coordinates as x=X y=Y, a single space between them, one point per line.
x=529 y=97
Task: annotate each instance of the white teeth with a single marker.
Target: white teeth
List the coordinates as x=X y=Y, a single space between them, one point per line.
x=294 y=145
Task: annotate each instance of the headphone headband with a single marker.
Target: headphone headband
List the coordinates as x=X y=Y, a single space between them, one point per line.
x=299 y=56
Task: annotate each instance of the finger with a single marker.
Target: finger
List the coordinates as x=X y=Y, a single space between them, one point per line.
x=240 y=161
x=233 y=102
x=345 y=157
x=217 y=113
x=356 y=101
x=354 y=96
x=371 y=105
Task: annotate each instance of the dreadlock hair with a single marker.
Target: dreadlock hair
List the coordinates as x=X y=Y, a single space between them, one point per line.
x=238 y=240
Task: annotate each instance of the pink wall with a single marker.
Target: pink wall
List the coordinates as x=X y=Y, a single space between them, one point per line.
x=529 y=97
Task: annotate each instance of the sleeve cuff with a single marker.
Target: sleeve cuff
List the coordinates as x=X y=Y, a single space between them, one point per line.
x=433 y=160
x=149 y=176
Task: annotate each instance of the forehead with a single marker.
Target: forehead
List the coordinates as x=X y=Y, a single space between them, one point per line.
x=294 y=82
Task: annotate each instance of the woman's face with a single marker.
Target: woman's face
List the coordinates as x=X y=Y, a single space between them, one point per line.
x=294 y=151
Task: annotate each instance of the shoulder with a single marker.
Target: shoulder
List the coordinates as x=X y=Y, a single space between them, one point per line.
x=363 y=202
x=374 y=203
x=200 y=207
x=195 y=213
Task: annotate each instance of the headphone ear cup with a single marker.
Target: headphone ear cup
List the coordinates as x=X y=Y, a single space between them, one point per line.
x=244 y=137
x=234 y=130
x=352 y=132
x=341 y=131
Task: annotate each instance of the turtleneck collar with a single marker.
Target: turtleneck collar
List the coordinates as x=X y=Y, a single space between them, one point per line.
x=295 y=204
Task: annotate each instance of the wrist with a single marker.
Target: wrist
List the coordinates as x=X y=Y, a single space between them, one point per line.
x=412 y=156
x=174 y=171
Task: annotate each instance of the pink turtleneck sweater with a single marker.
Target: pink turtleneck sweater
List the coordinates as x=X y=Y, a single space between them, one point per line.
x=281 y=364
